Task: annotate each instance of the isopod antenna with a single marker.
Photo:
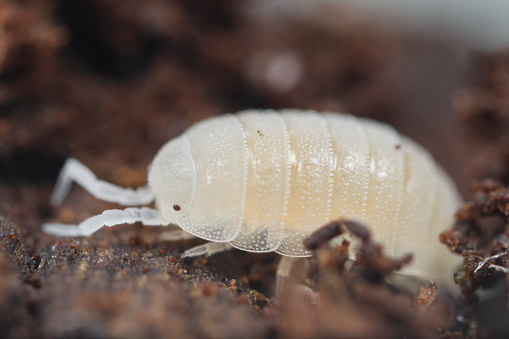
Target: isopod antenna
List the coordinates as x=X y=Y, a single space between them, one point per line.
x=75 y=171
x=147 y=216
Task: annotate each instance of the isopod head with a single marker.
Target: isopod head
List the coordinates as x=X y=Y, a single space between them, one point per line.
x=172 y=177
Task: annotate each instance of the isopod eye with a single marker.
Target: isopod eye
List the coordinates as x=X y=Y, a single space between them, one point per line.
x=176 y=207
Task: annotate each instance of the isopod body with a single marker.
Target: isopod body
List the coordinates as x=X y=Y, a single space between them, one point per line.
x=264 y=180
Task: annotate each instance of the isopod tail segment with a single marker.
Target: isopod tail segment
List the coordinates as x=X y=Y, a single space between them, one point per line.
x=75 y=171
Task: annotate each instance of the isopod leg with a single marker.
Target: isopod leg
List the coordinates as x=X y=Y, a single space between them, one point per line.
x=283 y=272
x=207 y=249
x=175 y=235
x=147 y=216
x=291 y=268
x=74 y=170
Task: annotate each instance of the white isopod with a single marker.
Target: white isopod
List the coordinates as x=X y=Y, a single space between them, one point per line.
x=263 y=181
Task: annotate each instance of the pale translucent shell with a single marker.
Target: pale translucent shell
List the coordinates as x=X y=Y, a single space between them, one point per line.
x=265 y=180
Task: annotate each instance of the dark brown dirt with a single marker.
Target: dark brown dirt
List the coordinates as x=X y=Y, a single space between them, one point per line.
x=109 y=82
x=357 y=301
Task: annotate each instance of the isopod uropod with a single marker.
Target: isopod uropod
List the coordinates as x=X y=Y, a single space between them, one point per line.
x=262 y=181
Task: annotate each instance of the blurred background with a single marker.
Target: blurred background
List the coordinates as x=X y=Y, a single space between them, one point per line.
x=109 y=82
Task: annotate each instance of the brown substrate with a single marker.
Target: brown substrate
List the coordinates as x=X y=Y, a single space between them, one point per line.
x=109 y=82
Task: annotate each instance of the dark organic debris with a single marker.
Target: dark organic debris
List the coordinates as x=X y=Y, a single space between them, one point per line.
x=427 y=295
x=481 y=236
x=355 y=298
